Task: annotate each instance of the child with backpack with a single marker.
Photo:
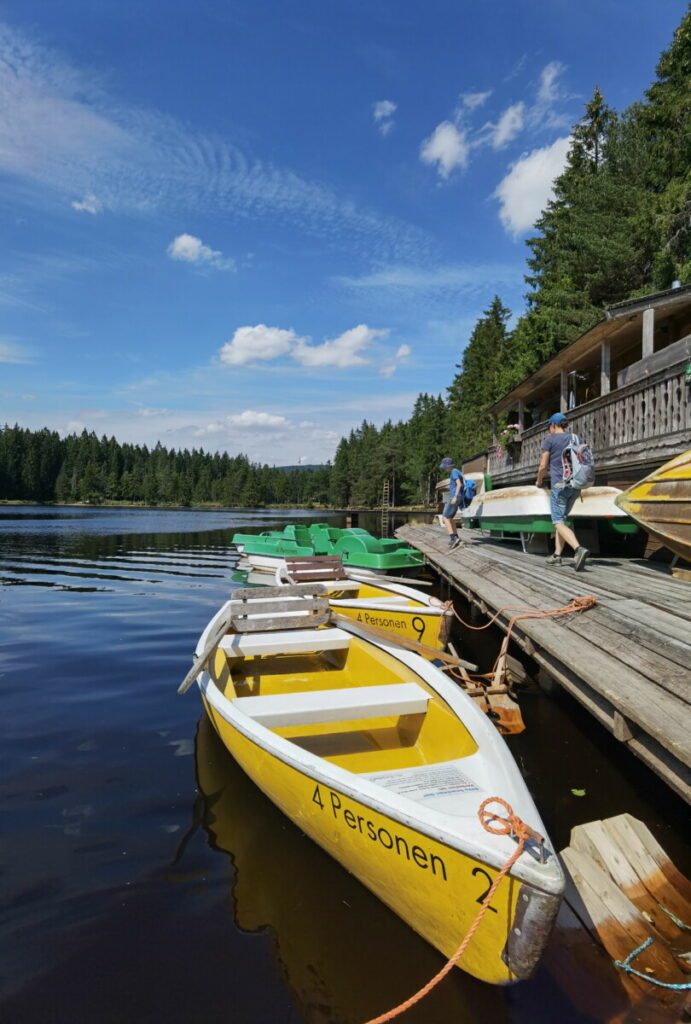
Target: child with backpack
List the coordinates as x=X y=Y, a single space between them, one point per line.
x=571 y=469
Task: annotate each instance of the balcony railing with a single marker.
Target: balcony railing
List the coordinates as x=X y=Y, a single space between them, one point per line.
x=642 y=424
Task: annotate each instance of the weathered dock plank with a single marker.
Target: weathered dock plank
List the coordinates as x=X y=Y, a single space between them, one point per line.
x=627 y=660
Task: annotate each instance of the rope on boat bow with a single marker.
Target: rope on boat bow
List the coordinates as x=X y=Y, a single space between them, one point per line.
x=510 y=825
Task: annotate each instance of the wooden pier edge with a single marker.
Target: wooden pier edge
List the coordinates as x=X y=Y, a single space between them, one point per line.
x=674 y=770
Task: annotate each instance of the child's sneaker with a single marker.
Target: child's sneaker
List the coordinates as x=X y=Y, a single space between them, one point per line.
x=454 y=542
x=553 y=560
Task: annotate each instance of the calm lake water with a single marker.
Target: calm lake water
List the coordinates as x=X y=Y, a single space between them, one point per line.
x=143 y=877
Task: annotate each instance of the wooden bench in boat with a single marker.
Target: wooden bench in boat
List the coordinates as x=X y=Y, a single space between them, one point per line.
x=315 y=567
x=312 y=706
x=265 y=608
x=292 y=641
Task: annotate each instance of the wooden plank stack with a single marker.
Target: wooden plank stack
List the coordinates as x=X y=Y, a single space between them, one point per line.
x=626 y=890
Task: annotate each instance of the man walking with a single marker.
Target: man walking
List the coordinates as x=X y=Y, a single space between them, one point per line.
x=563 y=495
x=451 y=507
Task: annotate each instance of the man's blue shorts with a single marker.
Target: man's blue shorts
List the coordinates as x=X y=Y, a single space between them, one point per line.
x=450 y=509
x=562 y=501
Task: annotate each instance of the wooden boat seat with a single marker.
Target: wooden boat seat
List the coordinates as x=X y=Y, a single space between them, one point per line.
x=308 y=707
x=289 y=641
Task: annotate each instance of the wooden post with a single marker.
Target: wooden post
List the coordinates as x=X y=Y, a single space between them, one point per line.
x=564 y=399
x=605 y=367
x=521 y=413
x=648 y=332
x=494 y=429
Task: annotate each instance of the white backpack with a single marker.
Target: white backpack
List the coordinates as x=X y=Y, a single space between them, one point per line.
x=578 y=465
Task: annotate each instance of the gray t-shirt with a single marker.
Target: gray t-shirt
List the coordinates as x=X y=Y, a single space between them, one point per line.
x=555 y=445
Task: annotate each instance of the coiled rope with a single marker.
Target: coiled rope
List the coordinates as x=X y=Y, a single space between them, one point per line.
x=511 y=825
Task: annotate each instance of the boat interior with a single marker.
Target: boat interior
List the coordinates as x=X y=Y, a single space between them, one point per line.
x=340 y=697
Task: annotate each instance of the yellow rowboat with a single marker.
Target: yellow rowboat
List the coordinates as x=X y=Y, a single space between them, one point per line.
x=321 y=949
x=661 y=503
x=384 y=762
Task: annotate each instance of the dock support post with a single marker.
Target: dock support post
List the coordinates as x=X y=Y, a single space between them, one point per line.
x=564 y=396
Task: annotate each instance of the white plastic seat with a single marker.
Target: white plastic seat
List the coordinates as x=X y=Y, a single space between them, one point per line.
x=308 y=707
x=293 y=641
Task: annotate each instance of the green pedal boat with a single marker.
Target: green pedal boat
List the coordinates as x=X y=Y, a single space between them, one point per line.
x=356 y=548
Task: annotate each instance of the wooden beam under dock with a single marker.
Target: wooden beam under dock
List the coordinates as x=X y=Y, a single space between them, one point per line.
x=627 y=660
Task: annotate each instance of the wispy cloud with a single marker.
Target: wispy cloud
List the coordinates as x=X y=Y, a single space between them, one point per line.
x=89 y=204
x=475 y=99
x=61 y=131
x=10 y=352
x=464 y=277
x=400 y=355
x=188 y=249
x=382 y=112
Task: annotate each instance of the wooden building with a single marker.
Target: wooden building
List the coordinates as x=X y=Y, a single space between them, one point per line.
x=625 y=385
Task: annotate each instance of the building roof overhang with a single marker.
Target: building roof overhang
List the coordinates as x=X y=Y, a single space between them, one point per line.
x=620 y=327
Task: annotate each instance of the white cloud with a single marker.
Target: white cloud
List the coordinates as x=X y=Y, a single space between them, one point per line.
x=509 y=125
x=524 y=192
x=382 y=112
x=250 y=418
x=189 y=249
x=251 y=344
x=475 y=99
x=446 y=147
x=342 y=352
x=89 y=204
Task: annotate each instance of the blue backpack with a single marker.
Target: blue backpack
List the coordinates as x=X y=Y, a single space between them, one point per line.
x=469 y=492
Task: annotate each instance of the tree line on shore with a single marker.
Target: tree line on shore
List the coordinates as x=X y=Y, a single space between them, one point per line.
x=618 y=226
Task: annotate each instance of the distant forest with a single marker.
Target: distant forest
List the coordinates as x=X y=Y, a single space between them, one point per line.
x=618 y=226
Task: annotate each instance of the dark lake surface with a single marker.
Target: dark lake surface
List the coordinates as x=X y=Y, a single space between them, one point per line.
x=143 y=877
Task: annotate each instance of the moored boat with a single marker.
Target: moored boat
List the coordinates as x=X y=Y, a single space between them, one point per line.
x=384 y=762
x=403 y=611
x=526 y=510
x=356 y=547
x=661 y=503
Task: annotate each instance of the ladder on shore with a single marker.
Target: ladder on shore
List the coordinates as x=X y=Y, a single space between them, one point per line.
x=385 y=506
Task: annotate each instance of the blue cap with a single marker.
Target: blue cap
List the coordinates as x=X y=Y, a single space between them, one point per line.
x=446 y=464
x=557 y=418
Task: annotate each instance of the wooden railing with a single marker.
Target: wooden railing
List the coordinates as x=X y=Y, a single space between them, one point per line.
x=640 y=425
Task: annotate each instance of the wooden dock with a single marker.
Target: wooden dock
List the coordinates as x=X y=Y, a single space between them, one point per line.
x=627 y=660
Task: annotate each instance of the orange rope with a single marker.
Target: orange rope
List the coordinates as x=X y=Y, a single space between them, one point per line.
x=511 y=824
x=577 y=604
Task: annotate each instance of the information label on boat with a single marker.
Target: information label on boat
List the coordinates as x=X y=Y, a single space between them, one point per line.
x=427 y=782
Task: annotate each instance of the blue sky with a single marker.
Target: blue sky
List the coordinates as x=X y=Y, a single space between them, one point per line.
x=248 y=226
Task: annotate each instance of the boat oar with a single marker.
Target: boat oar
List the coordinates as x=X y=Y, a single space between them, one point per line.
x=201 y=661
x=403 y=641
